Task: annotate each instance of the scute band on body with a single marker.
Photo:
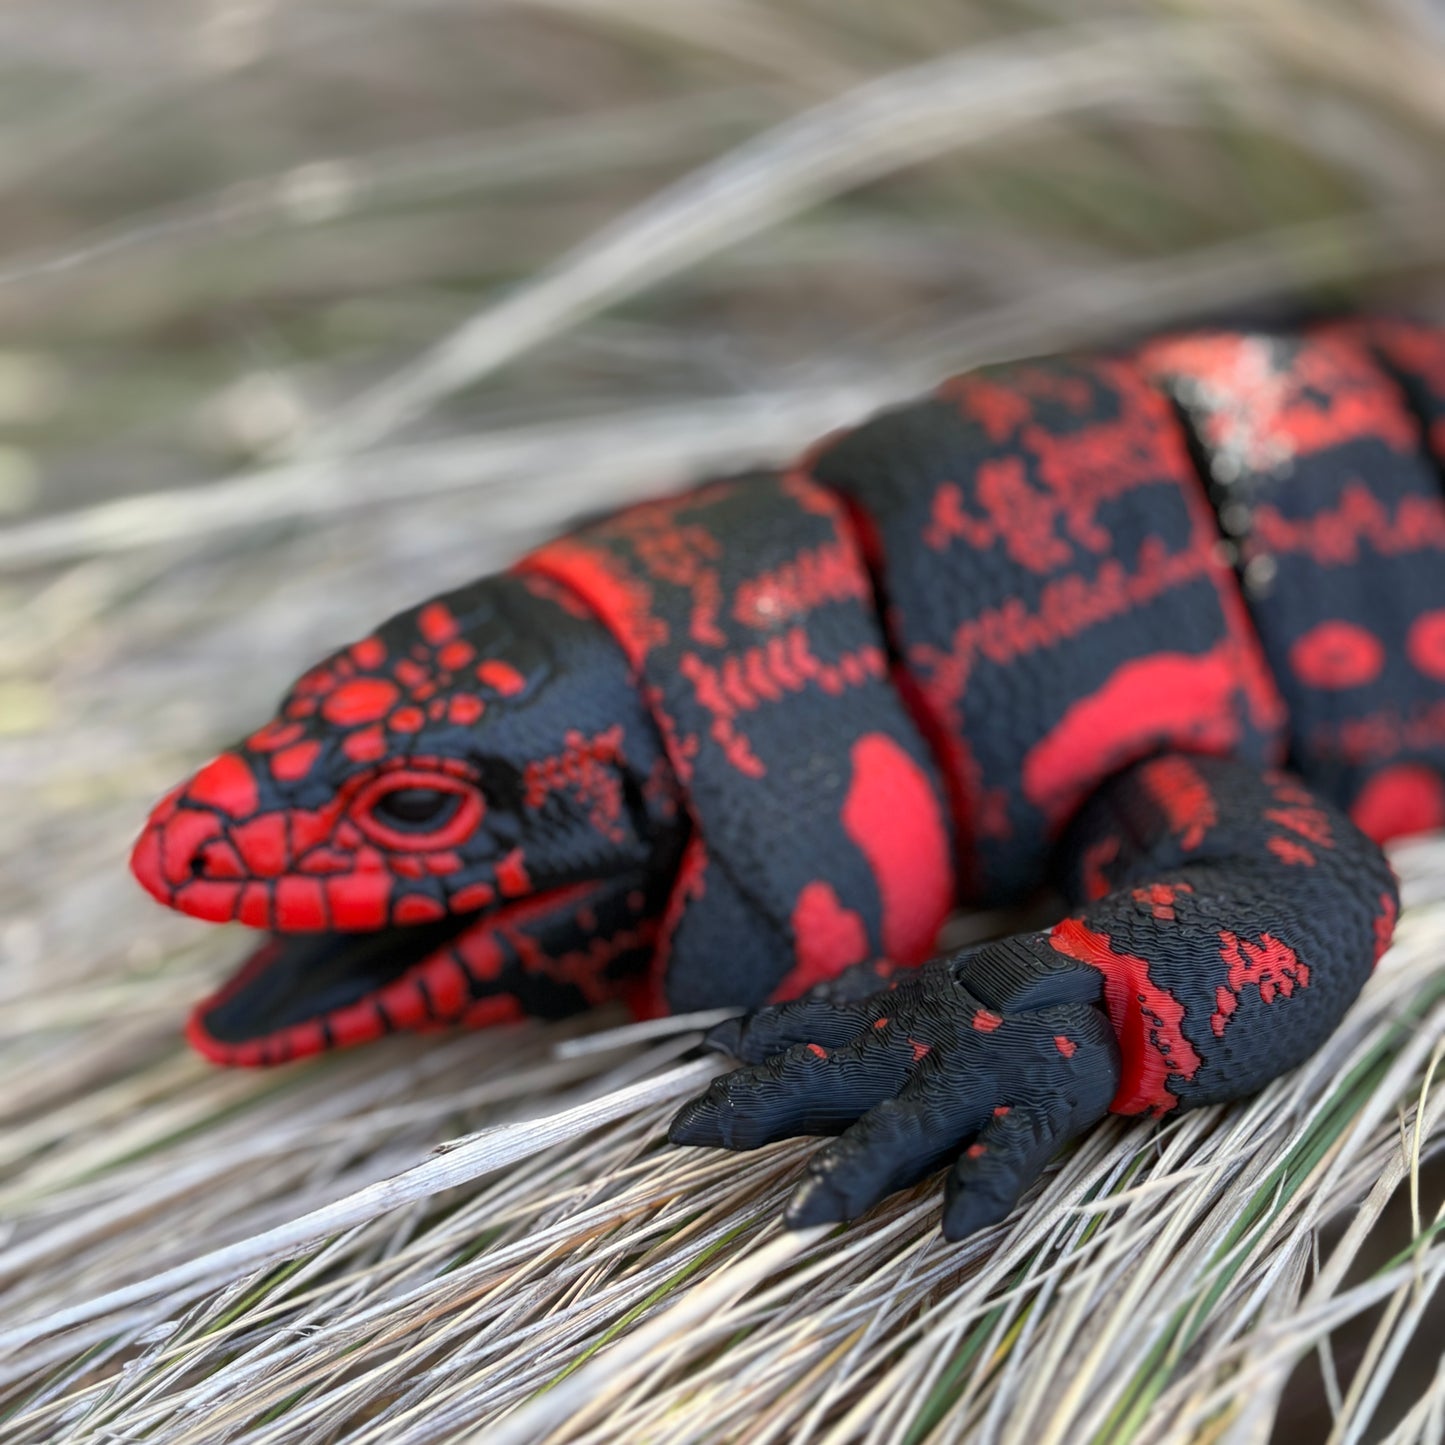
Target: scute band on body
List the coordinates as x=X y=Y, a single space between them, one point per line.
x=820 y=832
x=1053 y=588
x=1318 y=464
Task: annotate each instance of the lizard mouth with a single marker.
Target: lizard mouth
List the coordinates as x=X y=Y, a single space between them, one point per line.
x=551 y=954
x=296 y=978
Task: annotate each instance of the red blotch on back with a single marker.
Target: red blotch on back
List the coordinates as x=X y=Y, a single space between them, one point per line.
x=1337 y=655
x=1399 y=800
x=226 y=783
x=827 y=938
x=1425 y=644
x=894 y=818
x=1170 y=697
x=362 y=701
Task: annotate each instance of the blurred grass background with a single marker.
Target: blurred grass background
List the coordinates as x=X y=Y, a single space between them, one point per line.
x=310 y=309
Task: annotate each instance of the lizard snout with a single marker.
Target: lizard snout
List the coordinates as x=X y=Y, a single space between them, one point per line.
x=189 y=855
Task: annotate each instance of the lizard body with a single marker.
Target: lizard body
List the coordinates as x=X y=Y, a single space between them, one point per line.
x=1165 y=626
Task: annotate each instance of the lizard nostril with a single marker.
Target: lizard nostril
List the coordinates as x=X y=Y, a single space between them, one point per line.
x=217 y=860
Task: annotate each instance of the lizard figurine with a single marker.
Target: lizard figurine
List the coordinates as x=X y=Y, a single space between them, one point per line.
x=1164 y=626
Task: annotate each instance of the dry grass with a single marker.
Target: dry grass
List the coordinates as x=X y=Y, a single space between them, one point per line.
x=312 y=309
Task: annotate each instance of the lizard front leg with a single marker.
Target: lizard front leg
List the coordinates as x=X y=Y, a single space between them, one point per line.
x=1228 y=918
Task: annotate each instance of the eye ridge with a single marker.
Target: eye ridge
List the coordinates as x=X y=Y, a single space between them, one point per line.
x=419 y=809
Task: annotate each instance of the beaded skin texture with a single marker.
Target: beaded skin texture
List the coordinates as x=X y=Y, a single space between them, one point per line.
x=1164 y=628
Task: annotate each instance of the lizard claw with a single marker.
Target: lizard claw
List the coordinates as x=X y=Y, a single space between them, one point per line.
x=726 y=1037
x=925 y=1073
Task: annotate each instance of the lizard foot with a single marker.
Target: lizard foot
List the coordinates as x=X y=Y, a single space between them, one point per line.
x=990 y=1060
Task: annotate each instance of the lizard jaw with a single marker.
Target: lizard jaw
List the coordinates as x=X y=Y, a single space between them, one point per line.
x=303 y=993
x=295 y=986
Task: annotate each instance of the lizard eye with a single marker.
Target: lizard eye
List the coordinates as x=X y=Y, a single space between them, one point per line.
x=416 y=810
x=416 y=807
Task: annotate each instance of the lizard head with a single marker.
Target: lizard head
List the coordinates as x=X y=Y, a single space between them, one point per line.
x=463 y=815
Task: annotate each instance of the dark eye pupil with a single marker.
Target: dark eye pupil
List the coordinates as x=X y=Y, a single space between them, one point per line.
x=415 y=807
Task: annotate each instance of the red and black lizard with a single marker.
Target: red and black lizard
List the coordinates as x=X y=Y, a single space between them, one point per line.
x=1166 y=626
